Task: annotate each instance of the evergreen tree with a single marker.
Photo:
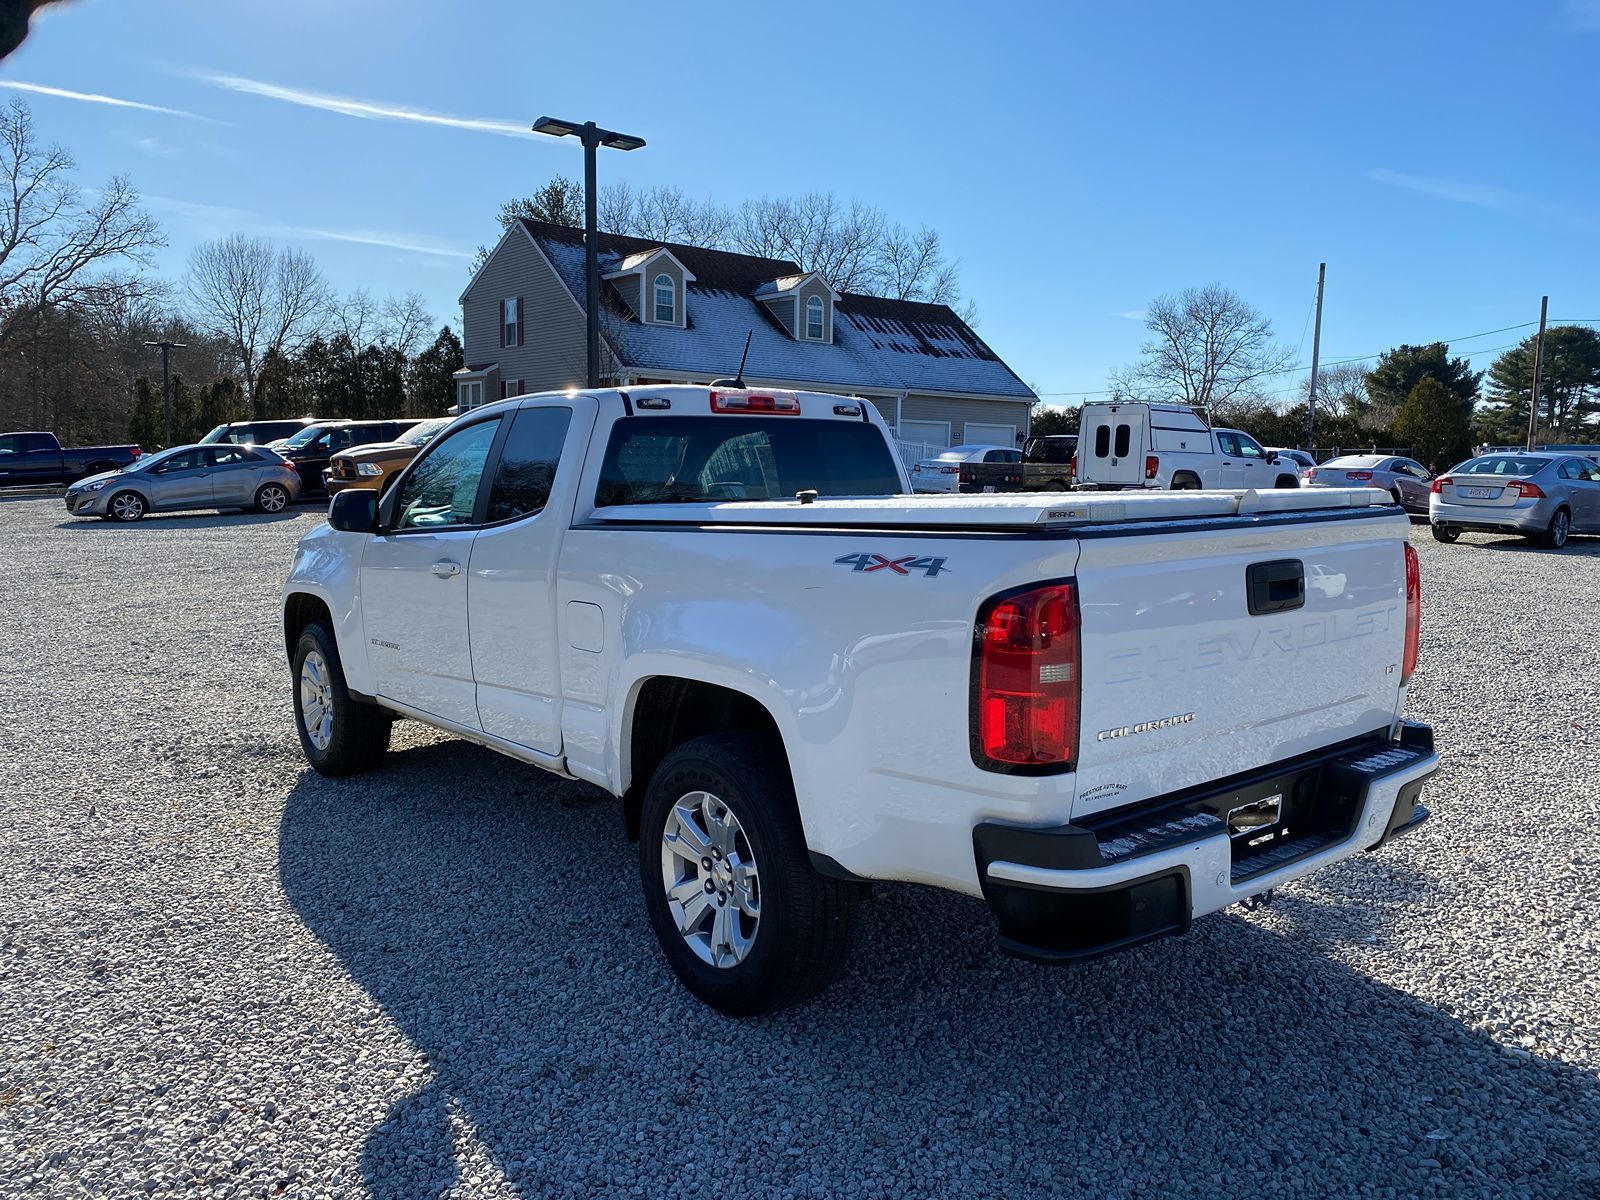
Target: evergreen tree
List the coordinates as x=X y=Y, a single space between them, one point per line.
x=433 y=387
x=185 y=419
x=145 y=425
x=1391 y=382
x=1434 y=424
x=1569 y=388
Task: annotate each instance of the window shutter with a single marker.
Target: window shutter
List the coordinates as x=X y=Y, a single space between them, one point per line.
x=500 y=320
x=521 y=335
x=502 y=389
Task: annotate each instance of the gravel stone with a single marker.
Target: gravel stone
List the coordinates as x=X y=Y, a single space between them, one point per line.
x=223 y=975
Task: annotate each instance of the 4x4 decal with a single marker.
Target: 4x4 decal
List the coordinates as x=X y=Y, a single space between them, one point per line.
x=899 y=566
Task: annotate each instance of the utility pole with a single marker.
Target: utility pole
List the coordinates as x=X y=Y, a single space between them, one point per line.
x=1316 y=354
x=166 y=382
x=1538 y=364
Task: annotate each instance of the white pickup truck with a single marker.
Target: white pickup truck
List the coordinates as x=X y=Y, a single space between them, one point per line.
x=1138 y=444
x=714 y=604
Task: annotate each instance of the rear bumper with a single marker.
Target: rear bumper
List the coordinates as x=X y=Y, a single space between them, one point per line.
x=1531 y=516
x=1070 y=892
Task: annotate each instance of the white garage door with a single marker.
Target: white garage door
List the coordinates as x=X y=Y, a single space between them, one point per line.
x=930 y=433
x=974 y=434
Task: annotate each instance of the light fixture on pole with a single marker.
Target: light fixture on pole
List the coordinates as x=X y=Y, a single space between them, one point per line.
x=592 y=137
x=166 y=383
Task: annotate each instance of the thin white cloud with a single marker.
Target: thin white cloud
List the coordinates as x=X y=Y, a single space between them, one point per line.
x=40 y=89
x=1130 y=314
x=366 y=110
x=215 y=219
x=1447 y=189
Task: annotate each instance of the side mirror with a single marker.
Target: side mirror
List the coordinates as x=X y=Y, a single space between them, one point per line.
x=354 y=510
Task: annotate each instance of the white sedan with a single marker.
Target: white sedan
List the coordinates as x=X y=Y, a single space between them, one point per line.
x=943 y=473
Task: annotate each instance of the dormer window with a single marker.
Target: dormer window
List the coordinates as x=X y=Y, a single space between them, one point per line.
x=666 y=300
x=814 y=326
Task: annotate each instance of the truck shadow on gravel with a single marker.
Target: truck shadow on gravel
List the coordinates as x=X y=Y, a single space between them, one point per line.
x=179 y=520
x=494 y=913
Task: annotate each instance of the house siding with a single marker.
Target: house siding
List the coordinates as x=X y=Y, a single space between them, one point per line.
x=814 y=288
x=552 y=354
x=628 y=288
x=918 y=407
x=784 y=311
x=663 y=266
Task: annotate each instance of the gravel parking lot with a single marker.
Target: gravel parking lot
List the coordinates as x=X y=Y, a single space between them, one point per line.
x=224 y=975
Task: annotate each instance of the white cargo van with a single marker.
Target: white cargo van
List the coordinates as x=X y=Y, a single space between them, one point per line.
x=1135 y=444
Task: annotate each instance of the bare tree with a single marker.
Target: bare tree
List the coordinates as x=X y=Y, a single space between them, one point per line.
x=816 y=231
x=912 y=266
x=258 y=298
x=1342 y=389
x=1208 y=347
x=406 y=323
x=52 y=243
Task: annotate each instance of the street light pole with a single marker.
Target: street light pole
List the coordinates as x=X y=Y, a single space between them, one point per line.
x=592 y=137
x=166 y=382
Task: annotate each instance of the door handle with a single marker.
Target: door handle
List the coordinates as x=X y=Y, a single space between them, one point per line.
x=444 y=568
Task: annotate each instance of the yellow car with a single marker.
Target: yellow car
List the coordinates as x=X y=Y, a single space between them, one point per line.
x=373 y=466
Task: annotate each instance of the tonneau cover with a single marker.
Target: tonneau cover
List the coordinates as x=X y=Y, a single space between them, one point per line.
x=1008 y=511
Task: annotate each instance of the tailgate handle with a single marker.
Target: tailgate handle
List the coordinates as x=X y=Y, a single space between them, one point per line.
x=1276 y=586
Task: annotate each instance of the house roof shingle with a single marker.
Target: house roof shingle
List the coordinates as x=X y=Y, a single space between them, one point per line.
x=897 y=345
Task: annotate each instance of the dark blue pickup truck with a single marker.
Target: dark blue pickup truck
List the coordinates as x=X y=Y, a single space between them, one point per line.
x=37 y=458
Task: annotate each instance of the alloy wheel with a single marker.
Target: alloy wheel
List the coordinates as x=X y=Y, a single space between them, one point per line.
x=711 y=880
x=1560 y=526
x=316 y=700
x=127 y=507
x=273 y=498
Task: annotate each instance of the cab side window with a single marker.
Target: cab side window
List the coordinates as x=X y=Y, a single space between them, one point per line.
x=441 y=490
x=1249 y=447
x=1228 y=443
x=528 y=462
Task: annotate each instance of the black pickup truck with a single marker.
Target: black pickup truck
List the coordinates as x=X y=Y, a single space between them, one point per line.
x=1046 y=466
x=38 y=458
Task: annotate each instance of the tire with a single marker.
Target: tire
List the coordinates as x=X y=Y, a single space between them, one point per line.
x=1398 y=497
x=354 y=736
x=1055 y=485
x=272 y=498
x=1185 y=483
x=1555 y=534
x=796 y=941
x=1445 y=533
x=1287 y=481
x=126 y=507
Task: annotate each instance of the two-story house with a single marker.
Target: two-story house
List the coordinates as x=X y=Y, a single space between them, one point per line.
x=680 y=314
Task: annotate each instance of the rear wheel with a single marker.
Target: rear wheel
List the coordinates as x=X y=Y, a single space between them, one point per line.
x=1445 y=533
x=1555 y=533
x=1185 y=483
x=1055 y=485
x=126 y=507
x=272 y=497
x=339 y=734
x=746 y=922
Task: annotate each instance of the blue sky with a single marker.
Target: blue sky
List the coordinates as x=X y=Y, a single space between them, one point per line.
x=1078 y=159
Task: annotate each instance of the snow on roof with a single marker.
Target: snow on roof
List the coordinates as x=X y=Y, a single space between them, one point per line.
x=897 y=345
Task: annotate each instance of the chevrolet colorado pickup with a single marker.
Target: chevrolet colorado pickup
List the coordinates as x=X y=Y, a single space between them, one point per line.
x=38 y=458
x=714 y=604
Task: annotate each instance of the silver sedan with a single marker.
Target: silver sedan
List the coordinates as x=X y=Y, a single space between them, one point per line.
x=214 y=476
x=1541 y=495
x=1403 y=478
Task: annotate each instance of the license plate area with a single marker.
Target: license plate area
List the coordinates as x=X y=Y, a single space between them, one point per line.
x=1479 y=493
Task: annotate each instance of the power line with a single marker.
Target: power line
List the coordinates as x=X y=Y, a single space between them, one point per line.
x=1335 y=362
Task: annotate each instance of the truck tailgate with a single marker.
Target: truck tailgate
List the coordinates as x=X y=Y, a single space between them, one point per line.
x=1184 y=683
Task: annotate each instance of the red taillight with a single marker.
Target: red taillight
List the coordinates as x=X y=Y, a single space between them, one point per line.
x=768 y=403
x=1413 y=613
x=1152 y=464
x=1072 y=467
x=1358 y=474
x=138 y=453
x=1027 y=679
x=1528 y=491
x=949 y=470
x=1311 y=474
x=1439 y=483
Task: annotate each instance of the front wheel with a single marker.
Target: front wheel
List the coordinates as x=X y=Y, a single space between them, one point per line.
x=1555 y=533
x=272 y=498
x=746 y=922
x=1287 y=481
x=339 y=734
x=1445 y=533
x=126 y=507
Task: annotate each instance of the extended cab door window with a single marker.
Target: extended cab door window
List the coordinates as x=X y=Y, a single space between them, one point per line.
x=442 y=489
x=528 y=461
